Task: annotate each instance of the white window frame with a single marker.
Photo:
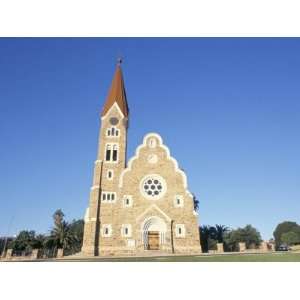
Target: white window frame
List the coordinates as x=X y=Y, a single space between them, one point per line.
x=129 y=197
x=112 y=174
x=182 y=227
x=109 y=132
x=123 y=228
x=105 y=194
x=113 y=146
x=103 y=229
x=180 y=197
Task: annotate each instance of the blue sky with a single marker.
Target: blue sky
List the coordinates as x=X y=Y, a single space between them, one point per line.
x=227 y=108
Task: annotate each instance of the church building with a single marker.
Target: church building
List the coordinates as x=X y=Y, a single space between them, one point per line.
x=140 y=207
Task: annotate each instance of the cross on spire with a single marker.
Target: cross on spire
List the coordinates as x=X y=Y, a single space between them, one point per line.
x=120 y=60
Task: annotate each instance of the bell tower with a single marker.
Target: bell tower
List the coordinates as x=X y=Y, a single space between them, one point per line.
x=110 y=162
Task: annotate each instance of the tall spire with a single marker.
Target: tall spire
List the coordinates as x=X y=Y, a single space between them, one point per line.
x=117 y=93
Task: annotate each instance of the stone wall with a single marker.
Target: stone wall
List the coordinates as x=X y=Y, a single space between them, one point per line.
x=220 y=247
x=242 y=247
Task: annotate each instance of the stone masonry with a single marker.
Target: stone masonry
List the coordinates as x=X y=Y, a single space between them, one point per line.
x=140 y=207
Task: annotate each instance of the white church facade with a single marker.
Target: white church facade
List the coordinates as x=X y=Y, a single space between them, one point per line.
x=141 y=206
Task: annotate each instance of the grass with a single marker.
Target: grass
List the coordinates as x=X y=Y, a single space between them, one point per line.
x=264 y=257
x=229 y=257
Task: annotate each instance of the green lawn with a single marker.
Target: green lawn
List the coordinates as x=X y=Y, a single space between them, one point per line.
x=268 y=257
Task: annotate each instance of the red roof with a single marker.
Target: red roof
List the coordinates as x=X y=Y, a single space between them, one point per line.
x=117 y=94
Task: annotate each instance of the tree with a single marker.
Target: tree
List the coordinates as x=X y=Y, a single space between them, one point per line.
x=249 y=235
x=5 y=243
x=196 y=203
x=62 y=235
x=76 y=228
x=285 y=227
x=27 y=240
x=204 y=236
x=220 y=232
x=58 y=217
x=290 y=238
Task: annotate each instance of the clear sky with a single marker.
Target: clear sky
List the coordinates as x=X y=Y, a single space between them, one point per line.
x=229 y=110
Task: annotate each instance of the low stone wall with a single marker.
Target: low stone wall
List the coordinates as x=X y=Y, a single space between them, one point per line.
x=60 y=253
x=8 y=254
x=263 y=246
x=220 y=247
x=242 y=247
x=35 y=254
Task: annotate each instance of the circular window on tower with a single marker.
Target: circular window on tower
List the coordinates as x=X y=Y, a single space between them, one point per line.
x=114 y=121
x=153 y=187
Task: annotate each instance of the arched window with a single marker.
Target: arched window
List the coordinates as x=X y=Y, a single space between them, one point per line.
x=115 y=153
x=113 y=132
x=108 y=152
x=110 y=174
x=126 y=230
x=111 y=152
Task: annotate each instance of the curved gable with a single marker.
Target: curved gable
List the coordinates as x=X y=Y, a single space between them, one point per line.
x=151 y=156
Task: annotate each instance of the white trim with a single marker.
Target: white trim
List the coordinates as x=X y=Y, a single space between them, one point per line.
x=129 y=197
x=105 y=195
x=109 y=227
x=160 y=179
x=182 y=227
x=181 y=201
x=129 y=228
x=94 y=187
x=131 y=243
x=87 y=215
x=112 y=174
x=159 y=225
x=109 y=129
x=169 y=157
x=112 y=145
x=153 y=206
x=98 y=161
x=108 y=112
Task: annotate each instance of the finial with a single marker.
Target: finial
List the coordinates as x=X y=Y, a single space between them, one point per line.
x=120 y=60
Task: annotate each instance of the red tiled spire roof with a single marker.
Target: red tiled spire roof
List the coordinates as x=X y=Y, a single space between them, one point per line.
x=117 y=93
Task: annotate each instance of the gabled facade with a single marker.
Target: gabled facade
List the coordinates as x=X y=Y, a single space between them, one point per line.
x=140 y=207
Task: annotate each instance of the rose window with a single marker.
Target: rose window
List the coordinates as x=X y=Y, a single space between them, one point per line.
x=153 y=187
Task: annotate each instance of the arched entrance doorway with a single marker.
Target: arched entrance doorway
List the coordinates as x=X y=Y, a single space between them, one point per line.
x=153 y=233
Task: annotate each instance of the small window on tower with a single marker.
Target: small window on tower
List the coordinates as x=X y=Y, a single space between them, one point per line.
x=180 y=230
x=110 y=174
x=108 y=153
x=106 y=230
x=115 y=153
x=113 y=132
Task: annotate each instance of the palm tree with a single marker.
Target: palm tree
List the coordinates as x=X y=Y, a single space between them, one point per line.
x=220 y=230
x=61 y=235
x=204 y=236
